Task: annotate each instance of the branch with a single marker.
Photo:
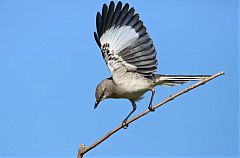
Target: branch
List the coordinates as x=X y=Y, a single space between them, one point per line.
x=82 y=150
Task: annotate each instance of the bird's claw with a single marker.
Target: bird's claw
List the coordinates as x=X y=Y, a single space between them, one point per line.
x=124 y=124
x=151 y=108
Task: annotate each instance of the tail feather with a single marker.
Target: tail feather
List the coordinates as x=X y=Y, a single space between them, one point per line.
x=174 y=80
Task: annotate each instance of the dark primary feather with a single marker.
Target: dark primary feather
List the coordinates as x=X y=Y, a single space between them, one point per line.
x=104 y=17
x=116 y=13
x=138 y=25
x=97 y=39
x=99 y=23
x=122 y=14
x=133 y=20
x=128 y=17
x=110 y=14
x=143 y=32
x=141 y=52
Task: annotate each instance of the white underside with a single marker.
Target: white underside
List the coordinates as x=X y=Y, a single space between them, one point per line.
x=132 y=85
x=119 y=38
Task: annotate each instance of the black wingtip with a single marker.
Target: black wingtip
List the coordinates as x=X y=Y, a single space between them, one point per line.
x=105 y=5
x=104 y=10
x=109 y=15
x=97 y=39
x=126 y=5
x=98 y=14
x=119 y=3
x=104 y=17
x=112 y=3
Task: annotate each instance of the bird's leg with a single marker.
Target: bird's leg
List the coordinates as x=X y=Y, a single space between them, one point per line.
x=150 y=107
x=134 y=106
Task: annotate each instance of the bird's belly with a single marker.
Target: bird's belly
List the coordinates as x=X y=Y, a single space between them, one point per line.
x=132 y=88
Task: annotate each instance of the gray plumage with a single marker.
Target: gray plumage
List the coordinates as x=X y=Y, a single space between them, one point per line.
x=130 y=55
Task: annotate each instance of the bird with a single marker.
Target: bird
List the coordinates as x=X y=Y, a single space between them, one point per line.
x=130 y=56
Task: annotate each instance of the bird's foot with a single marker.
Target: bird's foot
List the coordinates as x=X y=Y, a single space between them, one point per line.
x=124 y=124
x=151 y=108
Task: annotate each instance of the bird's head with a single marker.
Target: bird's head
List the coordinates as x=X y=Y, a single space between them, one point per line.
x=103 y=91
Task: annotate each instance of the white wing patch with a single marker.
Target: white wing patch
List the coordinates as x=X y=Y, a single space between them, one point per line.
x=118 y=64
x=119 y=37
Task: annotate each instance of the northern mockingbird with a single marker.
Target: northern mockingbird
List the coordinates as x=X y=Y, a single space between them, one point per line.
x=130 y=56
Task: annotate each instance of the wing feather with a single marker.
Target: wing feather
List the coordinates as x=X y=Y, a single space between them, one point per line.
x=139 y=57
x=122 y=15
x=133 y=20
x=109 y=15
x=98 y=23
x=124 y=40
x=138 y=26
x=116 y=13
x=104 y=17
x=128 y=17
x=97 y=39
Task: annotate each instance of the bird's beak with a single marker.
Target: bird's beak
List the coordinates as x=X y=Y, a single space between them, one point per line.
x=96 y=104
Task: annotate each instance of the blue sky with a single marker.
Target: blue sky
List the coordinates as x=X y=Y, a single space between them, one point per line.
x=50 y=66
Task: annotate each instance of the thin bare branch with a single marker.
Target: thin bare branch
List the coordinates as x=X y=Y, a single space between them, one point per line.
x=82 y=150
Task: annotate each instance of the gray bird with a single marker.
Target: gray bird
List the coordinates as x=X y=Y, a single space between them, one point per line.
x=130 y=56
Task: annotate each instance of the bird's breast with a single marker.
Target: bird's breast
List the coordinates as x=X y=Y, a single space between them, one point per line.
x=131 y=86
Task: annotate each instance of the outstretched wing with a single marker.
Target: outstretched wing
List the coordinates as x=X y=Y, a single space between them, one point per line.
x=123 y=40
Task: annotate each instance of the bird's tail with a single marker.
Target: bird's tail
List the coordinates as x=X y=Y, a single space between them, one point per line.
x=174 y=80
